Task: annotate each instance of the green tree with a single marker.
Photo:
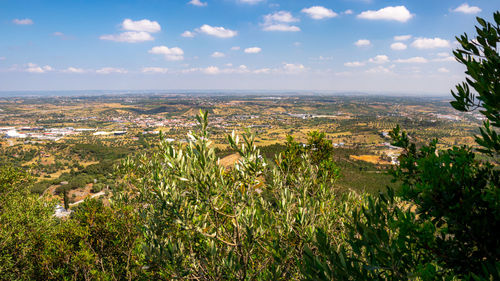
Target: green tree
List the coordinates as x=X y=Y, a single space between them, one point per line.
x=445 y=221
x=250 y=222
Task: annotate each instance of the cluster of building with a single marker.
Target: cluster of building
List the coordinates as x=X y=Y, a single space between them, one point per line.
x=41 y=133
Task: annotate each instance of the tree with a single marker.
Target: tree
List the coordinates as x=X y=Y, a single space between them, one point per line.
x=445 y=220
x=250 y=222
x=481 y=89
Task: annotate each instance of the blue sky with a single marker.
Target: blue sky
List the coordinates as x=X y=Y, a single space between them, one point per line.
x=342 y=45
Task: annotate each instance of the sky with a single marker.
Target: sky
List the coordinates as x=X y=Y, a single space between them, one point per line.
x=371 y=46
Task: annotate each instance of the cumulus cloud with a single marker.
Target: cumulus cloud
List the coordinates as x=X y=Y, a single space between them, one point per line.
x=444 y=57
x=397 y=13
x=129 y=37
x=136 y=31
x=362 y=43
x=74 y=70
x=280 y=21
x=354 y=64
x=319 y=12
x=379 y=59
x=154 y=69
x=218 y=55
x=211 y=70
x=171 y=54
x=293 y=68
x=466 y=9
x=235 y=48
x=34 y=68
x=187 y=34
x=144 y=25
x=253 y=50
x=348 y=12
x=402 y=37
x=413 y=60
x=217 y=31
x=281 y=16
x=109 y=70
x=23 y=21
x=398 y=46
x=443 y=70
x=430 y=43
x=281 y=27
x=198 y=3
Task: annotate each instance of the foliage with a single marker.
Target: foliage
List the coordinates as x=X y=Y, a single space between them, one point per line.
x=97 y=243
x=445 y=222
x=482 y=87
x=318 y=149
x=247 y=223
x=385 y=241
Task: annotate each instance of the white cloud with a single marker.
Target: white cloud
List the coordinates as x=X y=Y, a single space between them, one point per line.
x=262 y=71
x=319 y=12
x=172 y=54
x=34 y=68
x=253 y=50
x=466 y=9
x=281 y=27
x=430 y=43
x=212 y=70
x=362 y=43
x=293 y=68
x=187 y=34
x=398 y=46
x=402 y=37
x=354 y=64
x=198 y=3
x=129 y=37
x=74 y=70
x=109 y=70
x=154 y=69
x=136 y=31
x=280 y=21
x=235 y=48
x=378 y=69
x=413 y=60
x=348 y=12
x=217 y=31
x=144 y=25
x=379 y=59
x=281 y=16
x=218 y=55
x=443 y=70
x=444 y=57
x=397 y=13
x=23 y=21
